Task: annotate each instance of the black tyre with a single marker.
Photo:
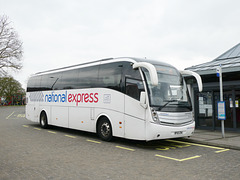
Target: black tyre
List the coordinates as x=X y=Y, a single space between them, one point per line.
x=43 y=120
x=104 y=129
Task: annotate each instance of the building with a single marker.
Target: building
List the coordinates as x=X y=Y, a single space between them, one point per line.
x=205 y=103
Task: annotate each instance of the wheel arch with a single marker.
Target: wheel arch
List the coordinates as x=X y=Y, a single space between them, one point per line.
x=99 y=118
x=41 y=112
x=43 y=119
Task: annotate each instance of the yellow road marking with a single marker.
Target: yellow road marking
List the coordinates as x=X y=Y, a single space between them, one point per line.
x=21 y=115
x=37 y=129
x=52 y=132
x=166 y=157
x=165 y=148
x=193 y=157
x=222 y=150
x=171 y=146
x=25 y=126
x=125 y=148
x=70 y=136
x=10 y=115
x=93 y=141
x=175 y=159
x=201 y=145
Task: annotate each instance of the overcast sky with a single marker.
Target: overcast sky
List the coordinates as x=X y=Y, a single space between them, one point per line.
x=57 y=33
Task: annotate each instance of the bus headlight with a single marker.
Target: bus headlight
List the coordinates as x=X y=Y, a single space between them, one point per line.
x=154 y=116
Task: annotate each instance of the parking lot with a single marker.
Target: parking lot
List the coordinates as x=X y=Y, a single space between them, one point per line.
x=29 y=152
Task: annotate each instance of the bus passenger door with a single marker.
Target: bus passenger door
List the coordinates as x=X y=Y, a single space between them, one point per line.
x=134 y=112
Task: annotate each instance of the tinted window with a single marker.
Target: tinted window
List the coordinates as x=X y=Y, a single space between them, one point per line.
x=134 y=88
x=69 y=79
x=34 y=84
x=49 y=80
x=128 y=71
x=56 y=81
x=88 y=77
x=110 y=76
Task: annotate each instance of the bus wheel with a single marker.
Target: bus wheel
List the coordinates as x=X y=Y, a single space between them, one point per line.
x=104 y=129
x=43 y=120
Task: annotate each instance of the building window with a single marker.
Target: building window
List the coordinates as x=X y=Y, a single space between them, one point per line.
x=205 y=109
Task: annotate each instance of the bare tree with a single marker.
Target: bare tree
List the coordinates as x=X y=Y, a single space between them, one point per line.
x=11 y=49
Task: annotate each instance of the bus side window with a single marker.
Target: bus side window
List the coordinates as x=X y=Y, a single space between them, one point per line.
x=134 y=88
x=110 y=76
x=45 y=83
x=34 y=84
x=69 y=79
x=88 y=77
x=49 y=80
x=55 y=81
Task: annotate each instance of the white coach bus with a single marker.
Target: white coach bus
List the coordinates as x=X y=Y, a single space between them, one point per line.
x=123 y=97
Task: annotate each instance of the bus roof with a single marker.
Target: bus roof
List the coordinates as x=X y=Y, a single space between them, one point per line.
x=128 y=59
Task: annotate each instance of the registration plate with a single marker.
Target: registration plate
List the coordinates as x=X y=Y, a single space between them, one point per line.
x=178 y=132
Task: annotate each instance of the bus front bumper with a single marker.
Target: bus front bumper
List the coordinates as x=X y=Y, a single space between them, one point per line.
x=158 y=131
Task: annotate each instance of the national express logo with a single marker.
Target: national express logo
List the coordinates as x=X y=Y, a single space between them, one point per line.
x=64 y=97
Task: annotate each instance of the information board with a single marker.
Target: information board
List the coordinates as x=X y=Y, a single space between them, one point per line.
x=221 y=110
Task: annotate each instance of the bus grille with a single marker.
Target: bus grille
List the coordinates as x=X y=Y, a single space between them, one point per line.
x=175 y=119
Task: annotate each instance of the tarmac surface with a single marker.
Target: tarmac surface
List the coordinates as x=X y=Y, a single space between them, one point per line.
x=214 y=138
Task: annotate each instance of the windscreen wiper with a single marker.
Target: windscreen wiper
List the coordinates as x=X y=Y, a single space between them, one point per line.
x=173 y=100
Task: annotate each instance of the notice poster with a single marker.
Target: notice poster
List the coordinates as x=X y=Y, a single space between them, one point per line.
x=221 y=110
x=236 y=104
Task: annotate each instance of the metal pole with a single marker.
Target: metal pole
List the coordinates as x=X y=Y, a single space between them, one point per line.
x=221 y=97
